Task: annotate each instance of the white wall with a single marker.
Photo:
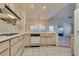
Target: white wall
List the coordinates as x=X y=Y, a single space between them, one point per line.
x=63 y=17
x=36 y=21
x=66 y=25
x=76 y=32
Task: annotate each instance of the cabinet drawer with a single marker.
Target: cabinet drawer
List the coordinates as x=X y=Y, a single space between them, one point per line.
x=4 y=45
x=16 y=47
x=5 y=53
x=13 y=41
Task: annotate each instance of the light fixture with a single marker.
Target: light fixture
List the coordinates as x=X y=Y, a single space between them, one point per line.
x=44 y=7
x=32 y=6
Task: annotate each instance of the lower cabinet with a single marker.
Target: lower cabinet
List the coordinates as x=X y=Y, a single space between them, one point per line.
x=43 y=40
x=54 y=39
x=48 y=40
x=12 y=47
x=4 y=46
x=5 y=53
x=17 y=48
x=27 y=39
x=20 y=51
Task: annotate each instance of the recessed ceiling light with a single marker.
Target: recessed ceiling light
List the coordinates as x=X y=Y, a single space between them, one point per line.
x=44 y=7
x=32 y=6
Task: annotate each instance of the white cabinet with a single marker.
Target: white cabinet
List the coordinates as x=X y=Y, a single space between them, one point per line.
x=4 y=46
x=27 y=39
x=16 y=48
x=5 y=53
x=11 y=6
x=43 y=40
x=14 y=41
x=20 y=51
x=1 y=5
x=12 y=47
x=48 y=39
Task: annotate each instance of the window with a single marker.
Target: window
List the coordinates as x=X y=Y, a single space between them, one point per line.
x=51 y=28
x=38 y=27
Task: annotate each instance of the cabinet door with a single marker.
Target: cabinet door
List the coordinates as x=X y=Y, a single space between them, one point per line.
x=14 y=41
x=20 y=51
x=15 y=48
x=49 y=40
x=4 y=46
x=1 y=5
x=27 y=40
x=53 y=39
x=11 y=6
x=5 y=53
x=43 y=41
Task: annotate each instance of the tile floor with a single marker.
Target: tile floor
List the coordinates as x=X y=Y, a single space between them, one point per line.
x=47 y=51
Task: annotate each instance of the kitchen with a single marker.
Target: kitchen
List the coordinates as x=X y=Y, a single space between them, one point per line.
x=36 y=27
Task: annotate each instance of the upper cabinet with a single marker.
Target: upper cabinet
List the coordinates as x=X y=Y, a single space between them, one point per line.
x=9 y=13
x=18 y=12
x=11 y=6
x=1 y=5
x=15 y=8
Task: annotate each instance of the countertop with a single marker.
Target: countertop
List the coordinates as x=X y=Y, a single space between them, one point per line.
x=4 y=38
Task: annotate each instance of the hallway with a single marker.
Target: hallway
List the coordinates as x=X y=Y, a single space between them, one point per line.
x=46 y=51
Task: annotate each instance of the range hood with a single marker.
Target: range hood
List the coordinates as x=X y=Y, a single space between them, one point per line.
x=7 y=13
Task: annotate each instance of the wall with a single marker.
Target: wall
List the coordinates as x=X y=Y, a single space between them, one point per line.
x=63 y=17
x=66 y=25
x=76 y=31
x=35 y=21
x=60 y=17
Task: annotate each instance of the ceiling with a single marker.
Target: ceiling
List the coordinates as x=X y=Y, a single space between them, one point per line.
x=41 y=10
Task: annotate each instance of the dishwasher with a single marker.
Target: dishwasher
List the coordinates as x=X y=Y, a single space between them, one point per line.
x=35 y=40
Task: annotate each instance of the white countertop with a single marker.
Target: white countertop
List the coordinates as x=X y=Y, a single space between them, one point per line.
x=4 y=38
